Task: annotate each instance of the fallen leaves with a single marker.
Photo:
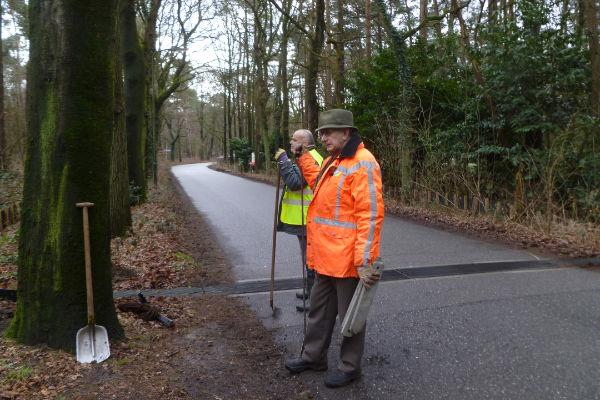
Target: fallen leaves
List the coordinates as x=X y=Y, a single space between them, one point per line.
x=570 y=239
x=8 y=258
x=212 y=352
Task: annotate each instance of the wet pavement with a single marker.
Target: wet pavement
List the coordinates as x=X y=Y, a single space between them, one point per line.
x=530 y=334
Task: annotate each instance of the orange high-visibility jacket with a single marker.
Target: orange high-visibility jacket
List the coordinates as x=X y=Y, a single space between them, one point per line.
x=346 y=214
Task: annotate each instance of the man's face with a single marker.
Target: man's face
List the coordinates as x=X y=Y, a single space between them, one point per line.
x=334 y=139
x=296 y=142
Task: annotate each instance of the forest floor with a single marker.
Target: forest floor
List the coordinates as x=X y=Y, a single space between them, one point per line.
x=217 y=348
x=564 y=239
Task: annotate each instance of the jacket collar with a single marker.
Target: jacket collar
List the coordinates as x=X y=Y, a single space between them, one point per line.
x=350 y=148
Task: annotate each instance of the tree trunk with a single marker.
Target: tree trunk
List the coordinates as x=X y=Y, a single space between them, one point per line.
x=329 y=70
x=225 y=137
x=591 y=29
x=284 y=127
x=3 y=152
x=492 y=11
x=152 y=113
x=70 y=102
x=397 y=43
x=277 y=112
x=317 y=41
x=120 y=212
x=249 y=123
x=368 y=32
x=422 y=19
x=261 y=90
x=379 y=35
x=479 y=78
x=135 y=97
x=339 y=56
x=438 y=25
x=450 y=16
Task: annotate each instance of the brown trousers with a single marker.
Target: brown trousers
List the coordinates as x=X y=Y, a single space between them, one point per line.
x=329 y=298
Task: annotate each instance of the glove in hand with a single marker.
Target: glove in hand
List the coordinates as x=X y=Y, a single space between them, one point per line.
x=280 y=153
x=368 y=275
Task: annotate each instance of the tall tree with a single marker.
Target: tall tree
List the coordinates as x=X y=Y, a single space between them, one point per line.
x=282 y=111
x=317 y=40
x=492 y=11
x=422 y=20
x=120 y=212
x=368 y=32
x=3 y=152
x=70 y=118
x=149 y=16
x=135 y=97
x=340 y=69
x=591 y=30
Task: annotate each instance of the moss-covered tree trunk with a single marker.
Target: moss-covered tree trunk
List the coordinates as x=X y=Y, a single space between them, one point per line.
x=120 y=213
x=3 y=152
x=70 y=106
x=135 y=97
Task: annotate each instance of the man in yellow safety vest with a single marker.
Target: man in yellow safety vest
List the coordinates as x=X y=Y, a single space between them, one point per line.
x=297 y=195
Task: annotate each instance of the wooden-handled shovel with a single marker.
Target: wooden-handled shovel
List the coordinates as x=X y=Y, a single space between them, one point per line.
x=92 y=340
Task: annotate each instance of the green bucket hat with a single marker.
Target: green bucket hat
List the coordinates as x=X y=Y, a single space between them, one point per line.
x=336 y=118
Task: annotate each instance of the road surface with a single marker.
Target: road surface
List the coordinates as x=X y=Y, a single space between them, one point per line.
x=528 y=334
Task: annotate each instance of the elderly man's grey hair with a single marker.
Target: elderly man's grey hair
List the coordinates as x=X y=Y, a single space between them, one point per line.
x=308 y=136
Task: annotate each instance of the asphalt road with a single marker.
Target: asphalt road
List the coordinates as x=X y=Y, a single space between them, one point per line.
x=241 y=213
x=508 y=335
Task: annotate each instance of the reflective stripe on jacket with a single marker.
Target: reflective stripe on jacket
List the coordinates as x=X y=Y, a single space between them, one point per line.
x=346 y=214
x=292 y=200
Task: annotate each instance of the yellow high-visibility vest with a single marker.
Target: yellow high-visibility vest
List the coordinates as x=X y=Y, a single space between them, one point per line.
x=292 y=201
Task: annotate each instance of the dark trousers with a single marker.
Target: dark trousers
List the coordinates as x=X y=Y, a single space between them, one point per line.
x=331 y=297
x=310 y=273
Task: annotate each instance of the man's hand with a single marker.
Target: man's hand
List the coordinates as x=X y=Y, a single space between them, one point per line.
x=280 y=155
x=368 y=275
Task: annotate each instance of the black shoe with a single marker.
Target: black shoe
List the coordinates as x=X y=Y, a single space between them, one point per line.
x=339 y=378
x=302 y=308
x=301 y=295
x=297 y=365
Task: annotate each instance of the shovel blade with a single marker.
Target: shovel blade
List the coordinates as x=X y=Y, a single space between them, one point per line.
x=92 y=344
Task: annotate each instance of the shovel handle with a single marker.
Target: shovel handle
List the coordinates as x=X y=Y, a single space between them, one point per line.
x=88 y=262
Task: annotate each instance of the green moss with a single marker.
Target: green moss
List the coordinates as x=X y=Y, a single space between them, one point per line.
x=121 y=361
x=56 y=221
x=48 y=130
x=18 y=374
x=68 y=147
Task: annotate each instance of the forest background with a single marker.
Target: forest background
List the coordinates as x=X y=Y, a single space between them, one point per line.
x=493 y=99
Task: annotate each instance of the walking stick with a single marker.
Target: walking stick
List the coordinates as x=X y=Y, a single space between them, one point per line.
x=304 y=277
x=275 y=218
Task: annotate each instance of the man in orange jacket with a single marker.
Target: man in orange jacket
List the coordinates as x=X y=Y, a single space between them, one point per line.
x=343 y=233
